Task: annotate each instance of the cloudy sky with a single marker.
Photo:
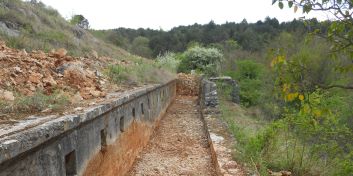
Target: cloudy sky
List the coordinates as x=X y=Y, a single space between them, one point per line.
x=165 y=14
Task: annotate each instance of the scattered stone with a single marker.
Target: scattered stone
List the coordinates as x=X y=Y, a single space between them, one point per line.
x=17 y=70
x=60 y=53
x=23 y=53
x=95 y=93
x=35 y=78
x=48 y=110
x=94 y=54
x=49 y=81
x=7 y=95
x=216 y=139
x=231 y=165
x=76 y=98
x=2 y=55
x=78 y=109
x=280 y=173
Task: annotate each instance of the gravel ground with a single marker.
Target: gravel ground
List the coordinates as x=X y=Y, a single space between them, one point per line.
x=179 y=145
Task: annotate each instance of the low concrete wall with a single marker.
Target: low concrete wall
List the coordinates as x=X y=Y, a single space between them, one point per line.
x=103 y=140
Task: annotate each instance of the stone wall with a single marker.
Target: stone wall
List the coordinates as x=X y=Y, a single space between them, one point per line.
x=103 y=140
x=208 y=95
x=234 y=94
x=220 y=140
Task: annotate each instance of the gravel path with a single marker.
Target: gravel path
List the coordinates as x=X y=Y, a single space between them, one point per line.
x=179 y=145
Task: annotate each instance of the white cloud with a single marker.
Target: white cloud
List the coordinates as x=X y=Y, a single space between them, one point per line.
x=108 y=14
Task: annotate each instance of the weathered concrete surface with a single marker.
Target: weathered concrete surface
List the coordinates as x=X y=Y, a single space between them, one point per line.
x=66 y=145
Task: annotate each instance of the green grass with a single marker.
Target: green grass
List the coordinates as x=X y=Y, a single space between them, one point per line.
x=141 y=71
x=244 y=125
x=35 y=103
x=42 y=27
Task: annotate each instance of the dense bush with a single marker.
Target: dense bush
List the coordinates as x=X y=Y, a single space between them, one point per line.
x=249 y=76
x=204 y=60
x=140 y=46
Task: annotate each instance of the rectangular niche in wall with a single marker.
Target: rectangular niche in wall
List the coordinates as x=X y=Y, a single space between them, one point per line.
x=122 y=119
x=70 y=164
x=149 y=103
x=142 y=109
x=133 y=113
x=103 y=139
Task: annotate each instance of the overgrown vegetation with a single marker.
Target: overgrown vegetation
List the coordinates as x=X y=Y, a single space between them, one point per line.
x=308 y=119
x=38 y=102
x=292 y=143
x=249 y=76
x=142 y=71
x=169 y=61
x=32 y=25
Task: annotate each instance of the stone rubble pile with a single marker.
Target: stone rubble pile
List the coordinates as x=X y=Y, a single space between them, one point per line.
x=27 y=72
x=188 y=84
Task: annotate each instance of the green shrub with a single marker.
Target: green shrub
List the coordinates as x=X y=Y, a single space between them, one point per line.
x=249 y=76
x=117 y=73
x=204 y=60
x=168 y=61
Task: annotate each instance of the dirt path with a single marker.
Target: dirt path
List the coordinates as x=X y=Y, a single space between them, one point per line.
x=179 y=145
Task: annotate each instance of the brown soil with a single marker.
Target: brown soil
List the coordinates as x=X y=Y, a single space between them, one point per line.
x=118 y=158
x=179 y=145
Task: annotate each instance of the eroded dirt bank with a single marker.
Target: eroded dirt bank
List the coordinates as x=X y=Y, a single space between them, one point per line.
x=179 y=145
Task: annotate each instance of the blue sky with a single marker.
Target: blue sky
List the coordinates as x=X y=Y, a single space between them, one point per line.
x=165 y=14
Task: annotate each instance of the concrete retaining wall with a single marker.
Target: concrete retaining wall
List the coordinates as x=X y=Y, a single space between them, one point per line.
x=103 y=140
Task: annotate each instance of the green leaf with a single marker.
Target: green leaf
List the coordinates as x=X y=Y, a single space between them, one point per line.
x=280 y=5
x=290 y=4
x=307 y=8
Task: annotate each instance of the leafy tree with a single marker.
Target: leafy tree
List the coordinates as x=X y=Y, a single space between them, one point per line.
x=80 y=21
x=340 y=31
x=248 y=74
x=140 y=47
x=249 y=36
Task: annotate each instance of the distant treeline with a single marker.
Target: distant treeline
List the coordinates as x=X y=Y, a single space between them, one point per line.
x=249 y=36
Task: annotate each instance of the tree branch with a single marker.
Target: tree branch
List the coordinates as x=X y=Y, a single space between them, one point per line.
x=335 y=86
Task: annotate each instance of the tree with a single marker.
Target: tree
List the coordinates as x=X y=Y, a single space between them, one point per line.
x=80 y=21
x=248 y=74
x=140 y=46
x=340 y=31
